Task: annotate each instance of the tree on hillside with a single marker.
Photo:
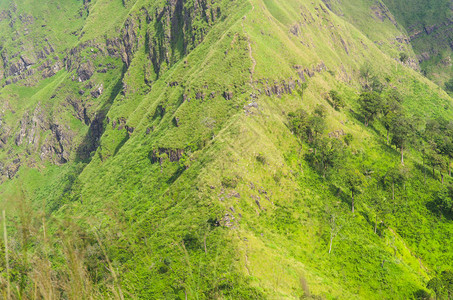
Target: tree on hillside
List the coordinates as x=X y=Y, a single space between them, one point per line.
x=366 y=73
x=320 y=111
x=444 y=146
x=442 y=167
x=354 y=181
x=316 y=126
x=391 y=108
x=435 y=284
x=348 y=138
x=370 y=82
x=395 y=176
x=442 y=285
x=439 y=134
x=334 y=229
x=404 y=57
x=402 y=134
x=307 y=127
x=298 y=123
x=388 y=120
x=447 y=278
x=436 y=161
x=423 y=147
x=380 y=205
x=447 y=150
x=328 y=154
x=449 y=153
x=443 y=199
x=449 y=85
x=336 y=100
x=376 y=85
x=370 y=106
x=336 y=223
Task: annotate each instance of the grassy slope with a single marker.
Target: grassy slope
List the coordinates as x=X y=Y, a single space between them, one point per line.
x=156 y=222
x=240 y=141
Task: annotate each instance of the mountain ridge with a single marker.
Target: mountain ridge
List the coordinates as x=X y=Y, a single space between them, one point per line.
x=161 y=163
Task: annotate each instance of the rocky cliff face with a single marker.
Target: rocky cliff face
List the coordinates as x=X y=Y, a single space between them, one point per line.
x=167 y=32
x=430 y=31
x=441 y=32
x=170 y=32
x=43 y=135
x=185 y=153
x=176 y=34
x=27 y=53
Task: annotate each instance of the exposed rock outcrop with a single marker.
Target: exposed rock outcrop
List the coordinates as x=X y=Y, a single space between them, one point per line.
x=57 y=147
x=80 y=109
x=85 y=71
x=382 y=13
x=97 y=92
x=57 y=144
x=11 y=168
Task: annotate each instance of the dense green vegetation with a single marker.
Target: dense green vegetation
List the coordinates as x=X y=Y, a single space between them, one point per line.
x=262 y=149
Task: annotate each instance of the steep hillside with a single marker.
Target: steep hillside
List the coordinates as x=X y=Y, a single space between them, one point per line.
x=429 y=25
x=417 y=33
x=220 y=150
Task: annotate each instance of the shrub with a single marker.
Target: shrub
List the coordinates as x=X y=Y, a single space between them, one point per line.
x=348 y=138
x=320 y=111
x=335 y=100
x=449 y=86
x=261 y=158
x=403 y=57
x=230 y=181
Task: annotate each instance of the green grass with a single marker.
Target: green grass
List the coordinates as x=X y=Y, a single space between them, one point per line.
x=118 y=220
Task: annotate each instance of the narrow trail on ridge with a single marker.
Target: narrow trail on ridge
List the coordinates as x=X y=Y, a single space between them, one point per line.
x=249 y=46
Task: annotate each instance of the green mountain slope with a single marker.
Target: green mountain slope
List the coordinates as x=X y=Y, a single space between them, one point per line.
x=151 y=153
